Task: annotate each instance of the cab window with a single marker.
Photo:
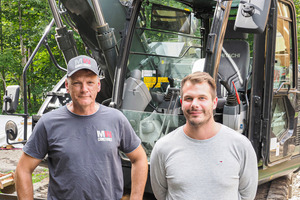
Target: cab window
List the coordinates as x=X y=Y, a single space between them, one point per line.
x=283 y=70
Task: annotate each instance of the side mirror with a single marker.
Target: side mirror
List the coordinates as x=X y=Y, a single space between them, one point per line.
x=11 y=130
x=252 y=17
x=11 y=99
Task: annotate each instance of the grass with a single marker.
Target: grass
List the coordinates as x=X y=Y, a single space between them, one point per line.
x=37 y=177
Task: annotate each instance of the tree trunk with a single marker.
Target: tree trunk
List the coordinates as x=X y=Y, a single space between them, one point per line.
x=2 y=76
x=31 y=102
x=23 y=50
x=1 y=49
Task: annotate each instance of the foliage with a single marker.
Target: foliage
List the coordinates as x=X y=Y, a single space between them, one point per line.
x=37 y=177
x=21 y=27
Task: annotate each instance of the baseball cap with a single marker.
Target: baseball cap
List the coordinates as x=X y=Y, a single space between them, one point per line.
x=82 y=62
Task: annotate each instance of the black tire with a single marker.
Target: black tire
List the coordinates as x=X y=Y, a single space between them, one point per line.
x=278 y=189
x=262 y=191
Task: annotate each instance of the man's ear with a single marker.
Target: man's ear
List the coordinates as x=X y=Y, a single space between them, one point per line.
x=215 y=103
x=99 y=85
x=67 y=85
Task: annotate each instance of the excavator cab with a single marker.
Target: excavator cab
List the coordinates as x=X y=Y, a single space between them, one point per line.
x=170 y=47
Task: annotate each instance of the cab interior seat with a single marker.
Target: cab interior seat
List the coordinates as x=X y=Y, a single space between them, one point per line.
x=233 y=67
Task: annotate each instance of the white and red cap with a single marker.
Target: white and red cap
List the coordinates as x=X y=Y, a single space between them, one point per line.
x=82 y=62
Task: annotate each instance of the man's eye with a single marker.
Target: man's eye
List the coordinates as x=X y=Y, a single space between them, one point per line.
x=202 y=98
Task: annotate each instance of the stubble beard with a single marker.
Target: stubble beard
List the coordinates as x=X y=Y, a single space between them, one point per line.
x=198 y=122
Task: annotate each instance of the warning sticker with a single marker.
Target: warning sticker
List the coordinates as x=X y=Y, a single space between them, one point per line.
x=150 y=81
x=150 y=85
x=148 y=73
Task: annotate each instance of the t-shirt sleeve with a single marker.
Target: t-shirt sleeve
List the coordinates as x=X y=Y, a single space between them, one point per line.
x=37 y=145
x=129 y=139
x=158 y=173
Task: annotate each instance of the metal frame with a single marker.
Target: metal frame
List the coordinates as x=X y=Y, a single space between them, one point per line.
x=121 y=67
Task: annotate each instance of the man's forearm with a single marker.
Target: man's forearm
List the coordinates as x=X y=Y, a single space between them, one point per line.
x=24 y=185
x=139 y=173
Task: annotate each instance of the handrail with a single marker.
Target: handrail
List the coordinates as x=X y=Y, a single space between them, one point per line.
x=47 y=30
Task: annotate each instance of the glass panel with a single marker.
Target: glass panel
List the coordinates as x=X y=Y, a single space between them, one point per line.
x=159 y=59
x=283 y=10
x=170 y=19
x=278 y=129
x=151 y=126
x=279 y=117
x=163 y=57
x=284 y=50
x=282 y=138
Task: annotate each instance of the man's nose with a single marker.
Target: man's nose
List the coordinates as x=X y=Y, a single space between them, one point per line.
x=195 y=103
x=84 y=87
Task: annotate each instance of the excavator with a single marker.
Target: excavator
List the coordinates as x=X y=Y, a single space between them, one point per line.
x=147 y=47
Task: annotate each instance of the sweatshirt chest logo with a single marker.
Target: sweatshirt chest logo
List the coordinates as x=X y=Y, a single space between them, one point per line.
x=104 y=136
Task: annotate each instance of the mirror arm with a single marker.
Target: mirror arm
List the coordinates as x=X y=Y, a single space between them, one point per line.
x=11 y=143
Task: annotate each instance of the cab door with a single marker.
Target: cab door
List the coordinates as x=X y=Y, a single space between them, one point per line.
x=283 y=132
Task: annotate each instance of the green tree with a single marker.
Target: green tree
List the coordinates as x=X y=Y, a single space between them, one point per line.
x=21 y=26
x=297 y=5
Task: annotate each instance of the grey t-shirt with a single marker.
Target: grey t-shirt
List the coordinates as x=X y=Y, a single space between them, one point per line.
x=83 y=157
x=222 y=167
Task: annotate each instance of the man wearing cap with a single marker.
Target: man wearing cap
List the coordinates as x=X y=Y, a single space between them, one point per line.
x=82 y=141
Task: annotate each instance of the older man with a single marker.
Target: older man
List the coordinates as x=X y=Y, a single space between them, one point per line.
x=82 y=140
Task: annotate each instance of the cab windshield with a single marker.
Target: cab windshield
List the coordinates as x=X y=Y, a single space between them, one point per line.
x=167 y=46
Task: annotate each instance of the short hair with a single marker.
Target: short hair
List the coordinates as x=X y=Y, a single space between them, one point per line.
x=200 y=77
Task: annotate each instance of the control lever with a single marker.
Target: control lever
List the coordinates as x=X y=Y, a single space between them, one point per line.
x=227 y=87
x=171 y=81
x=231 y=98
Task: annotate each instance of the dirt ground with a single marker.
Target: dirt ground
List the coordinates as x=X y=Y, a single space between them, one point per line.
x=296 y=187
x=9 y=159
x=8 y=163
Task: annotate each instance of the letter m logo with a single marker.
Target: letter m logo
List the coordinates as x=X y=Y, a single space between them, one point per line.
x=78 y=62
